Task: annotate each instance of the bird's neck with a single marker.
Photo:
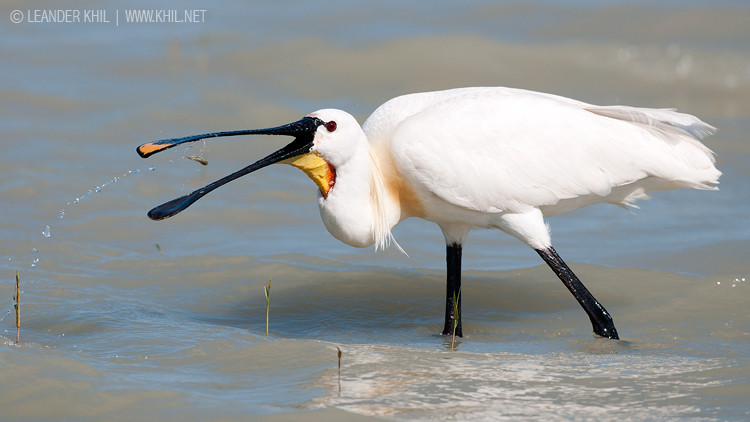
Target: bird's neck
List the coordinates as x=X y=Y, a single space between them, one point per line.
x=358 y=209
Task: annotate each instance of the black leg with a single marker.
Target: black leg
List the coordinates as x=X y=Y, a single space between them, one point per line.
x=601 y=321
x=453 y=289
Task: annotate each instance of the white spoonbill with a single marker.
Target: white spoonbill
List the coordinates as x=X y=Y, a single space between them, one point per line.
x=484 y=157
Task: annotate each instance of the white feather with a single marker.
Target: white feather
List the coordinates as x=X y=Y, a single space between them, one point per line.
x=505 y=158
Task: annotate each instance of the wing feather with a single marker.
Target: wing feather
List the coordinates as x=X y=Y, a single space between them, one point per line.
x=500 y=149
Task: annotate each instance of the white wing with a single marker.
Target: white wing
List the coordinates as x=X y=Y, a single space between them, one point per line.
x=501 y=149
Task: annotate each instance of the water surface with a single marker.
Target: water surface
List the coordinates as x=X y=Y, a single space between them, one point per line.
x=125 y=318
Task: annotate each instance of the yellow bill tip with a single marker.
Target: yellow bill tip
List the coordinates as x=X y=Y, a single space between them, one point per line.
x=151 y=148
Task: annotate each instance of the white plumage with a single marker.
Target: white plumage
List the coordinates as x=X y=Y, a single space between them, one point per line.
x=482 y=158
x=472 y=156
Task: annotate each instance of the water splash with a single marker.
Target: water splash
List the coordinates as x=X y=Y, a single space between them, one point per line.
x=35 y=260
x=47 y=231
x=99 y=188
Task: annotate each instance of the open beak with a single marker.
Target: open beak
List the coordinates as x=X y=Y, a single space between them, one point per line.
x=303 y=131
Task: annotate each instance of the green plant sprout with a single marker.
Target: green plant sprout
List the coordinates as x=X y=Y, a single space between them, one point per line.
x=267 y=291
x=17 y=305
x=455 y=316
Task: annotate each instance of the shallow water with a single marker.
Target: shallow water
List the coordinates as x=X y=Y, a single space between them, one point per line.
x=124 y=318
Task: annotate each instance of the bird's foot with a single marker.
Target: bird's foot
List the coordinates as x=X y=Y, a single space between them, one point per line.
x=448 y=330
x=605 y=328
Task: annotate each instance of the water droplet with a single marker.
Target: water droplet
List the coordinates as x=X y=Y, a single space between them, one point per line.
x=35 y=250
x=62 y=213
x=47 y=232
x=98 y=189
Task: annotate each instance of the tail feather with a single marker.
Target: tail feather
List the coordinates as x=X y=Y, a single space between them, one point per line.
x=683 y=131
x=666 y=120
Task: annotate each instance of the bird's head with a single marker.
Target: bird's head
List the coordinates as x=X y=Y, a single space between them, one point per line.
x=337 y=140
x=321 y=142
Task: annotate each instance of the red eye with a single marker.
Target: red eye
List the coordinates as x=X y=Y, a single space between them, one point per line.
x=331 y=126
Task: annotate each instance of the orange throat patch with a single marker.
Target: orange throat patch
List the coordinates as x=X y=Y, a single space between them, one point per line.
x=317 y=169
